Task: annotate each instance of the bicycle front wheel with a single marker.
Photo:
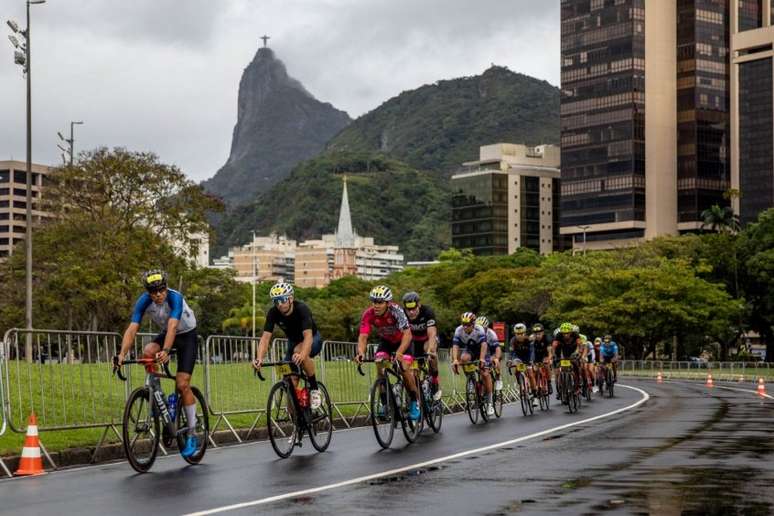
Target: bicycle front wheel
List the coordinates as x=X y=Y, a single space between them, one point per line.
x=140 y=430
x=497 y=401
x=382 y=412
x=471 y=399
x=281 y=419
x=200 y=430
x=526 y=404
x=321 y=421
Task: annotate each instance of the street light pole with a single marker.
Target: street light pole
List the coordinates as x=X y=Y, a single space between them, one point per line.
x=584 y=229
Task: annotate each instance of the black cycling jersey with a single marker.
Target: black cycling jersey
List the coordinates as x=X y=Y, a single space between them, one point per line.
x=541 y=348
x=566 y=349
x=300 y=319
x=424 y=320
x=521 y=349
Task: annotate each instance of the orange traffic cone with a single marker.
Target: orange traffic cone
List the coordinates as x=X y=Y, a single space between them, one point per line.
x=659 y=378
x=761 y=388
x=31 y=462
x=710 y=383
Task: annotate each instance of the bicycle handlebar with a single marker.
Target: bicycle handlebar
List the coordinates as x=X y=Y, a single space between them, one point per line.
x=257 y=372
x=117 y=369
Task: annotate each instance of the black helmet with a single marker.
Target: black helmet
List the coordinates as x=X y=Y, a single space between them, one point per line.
x=154 y=280
x=410 y=300
x=537 y=327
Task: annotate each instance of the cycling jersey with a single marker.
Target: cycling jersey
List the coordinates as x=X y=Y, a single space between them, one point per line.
x=521 y=349
x=173 y=307
x=293 y=325
x=425 y=319
x=470 y=342
x=566 y=349
x=590 y=356
x=608 y=350
x=540 y=347
x=389 y=326
x=492 y=341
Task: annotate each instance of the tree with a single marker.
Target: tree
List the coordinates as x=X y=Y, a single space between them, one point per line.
x=721 y=219
x=757 y=254
x=116 y=214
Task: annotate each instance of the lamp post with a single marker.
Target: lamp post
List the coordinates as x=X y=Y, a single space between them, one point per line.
x=23 y=58
x=71 y=142
x=584 y=229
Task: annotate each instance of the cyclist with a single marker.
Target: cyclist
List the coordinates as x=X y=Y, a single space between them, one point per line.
x=169 y=311
x=542 y=343
x=304 y=341
x=394 y=333
x=522 y=351
x=471 y=339
x=424 y=335
x=495 y=349
x=609 y=353
x=567 y=345
x=589 y=362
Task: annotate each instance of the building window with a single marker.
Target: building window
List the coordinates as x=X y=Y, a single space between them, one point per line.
x=750 y=14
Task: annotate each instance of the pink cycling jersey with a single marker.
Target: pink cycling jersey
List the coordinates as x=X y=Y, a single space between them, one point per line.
x=389 y=326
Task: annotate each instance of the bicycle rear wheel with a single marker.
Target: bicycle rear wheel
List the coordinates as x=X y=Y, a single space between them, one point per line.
x=382 y=412
x=610 y=383
x=321 y=421
x=140 y=431
x=471 y=399
x=201 y=429
x=433 y=408
x=281 y=419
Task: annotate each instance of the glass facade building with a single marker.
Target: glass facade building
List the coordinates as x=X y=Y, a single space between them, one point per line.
x=602 y=112
x=480 y=213
x=752 y=108
x=756 y=123
x=703 y=173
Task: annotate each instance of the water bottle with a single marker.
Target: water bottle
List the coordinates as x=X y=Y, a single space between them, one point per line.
x=172 y=405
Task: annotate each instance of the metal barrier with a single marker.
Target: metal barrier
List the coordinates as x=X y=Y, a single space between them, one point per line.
x=3 y=424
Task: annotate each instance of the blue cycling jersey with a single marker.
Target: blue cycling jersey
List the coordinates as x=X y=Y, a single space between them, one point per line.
x=173 y=307
x=608 y=349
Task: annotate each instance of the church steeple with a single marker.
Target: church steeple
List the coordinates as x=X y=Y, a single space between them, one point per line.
x=345 y=235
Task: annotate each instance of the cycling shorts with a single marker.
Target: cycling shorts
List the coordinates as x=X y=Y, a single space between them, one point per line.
x=607 y=359
x=476 y=356
x=419 y=348
x=187 y=349
x=385 y=346
x=317 y=344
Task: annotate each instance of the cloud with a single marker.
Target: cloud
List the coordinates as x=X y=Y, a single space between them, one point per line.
x=163 y=75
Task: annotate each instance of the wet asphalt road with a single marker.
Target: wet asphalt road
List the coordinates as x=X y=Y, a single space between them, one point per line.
x=686 y=450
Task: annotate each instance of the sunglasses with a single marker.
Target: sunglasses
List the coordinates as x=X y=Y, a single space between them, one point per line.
x=378 y=301
x=280 y=300
x=156 y=291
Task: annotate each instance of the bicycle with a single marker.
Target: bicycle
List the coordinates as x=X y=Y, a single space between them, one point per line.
x=497 y=396
x=543 y=393
x=143 y=418
x=289 y=414
x=432 y=409
x=609 y=379
x=475 y=397
x=568 y=387
x=525 y=392
x=389 y=403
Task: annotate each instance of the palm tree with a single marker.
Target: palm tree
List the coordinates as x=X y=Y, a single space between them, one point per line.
x=720 y=219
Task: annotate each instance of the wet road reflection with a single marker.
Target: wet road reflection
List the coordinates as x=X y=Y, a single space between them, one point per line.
x=688 y=451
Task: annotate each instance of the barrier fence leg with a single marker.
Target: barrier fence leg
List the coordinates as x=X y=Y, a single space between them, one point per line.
x=5 y=468
x=45 y=452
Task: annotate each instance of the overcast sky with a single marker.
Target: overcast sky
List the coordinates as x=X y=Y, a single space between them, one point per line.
x=163 y=75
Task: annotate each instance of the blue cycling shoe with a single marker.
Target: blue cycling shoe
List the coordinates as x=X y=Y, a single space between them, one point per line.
x=413 y=412
x=191 y=445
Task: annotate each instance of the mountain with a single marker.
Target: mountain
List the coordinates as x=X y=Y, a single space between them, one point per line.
x=279 y=124
x=438 y=126
x=398 y=158
x=389 y=201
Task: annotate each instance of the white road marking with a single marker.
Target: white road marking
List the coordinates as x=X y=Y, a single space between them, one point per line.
x=306 y=492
